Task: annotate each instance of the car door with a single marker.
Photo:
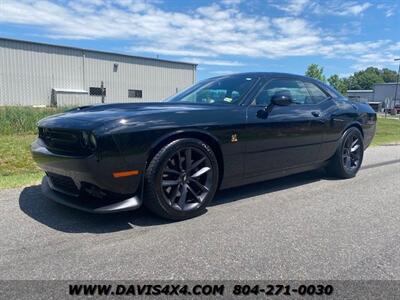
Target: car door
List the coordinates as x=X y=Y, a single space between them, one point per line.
x=287 y=136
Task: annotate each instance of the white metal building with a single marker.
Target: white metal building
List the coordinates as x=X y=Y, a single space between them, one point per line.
x=42 y=74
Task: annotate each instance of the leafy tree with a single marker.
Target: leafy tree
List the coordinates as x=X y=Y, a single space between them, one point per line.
x=389 y=75
x=365 y=79
x=315 y=71
x=340 y=84
x=361 y=80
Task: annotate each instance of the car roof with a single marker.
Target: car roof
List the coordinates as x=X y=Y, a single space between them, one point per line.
x=267 y=75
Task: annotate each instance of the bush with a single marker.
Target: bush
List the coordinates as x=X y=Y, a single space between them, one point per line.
x=22 y=119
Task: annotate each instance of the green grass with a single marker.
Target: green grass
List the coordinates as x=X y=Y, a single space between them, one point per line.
x=22 y=120
x=387 y=132
x=18 y=130
x=17 y=167
x=18 y=180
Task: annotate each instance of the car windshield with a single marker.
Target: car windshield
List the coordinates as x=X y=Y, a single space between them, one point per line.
x=222 y=90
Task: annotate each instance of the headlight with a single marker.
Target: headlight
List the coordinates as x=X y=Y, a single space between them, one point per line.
x=89 y=140
x=85 y=139
x=92 y=141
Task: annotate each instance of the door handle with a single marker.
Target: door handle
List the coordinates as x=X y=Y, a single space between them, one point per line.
x=316 y=113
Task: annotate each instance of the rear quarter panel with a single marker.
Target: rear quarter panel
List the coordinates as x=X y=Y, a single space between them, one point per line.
x=343 y=115
x=367 y=118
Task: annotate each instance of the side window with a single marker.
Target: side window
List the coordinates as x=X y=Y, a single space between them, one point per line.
x=317 y=95
x=294 y=88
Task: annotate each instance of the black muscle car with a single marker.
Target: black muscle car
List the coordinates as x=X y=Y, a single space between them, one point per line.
x=173 y=156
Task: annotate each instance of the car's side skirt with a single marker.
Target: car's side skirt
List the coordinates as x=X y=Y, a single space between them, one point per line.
x=272 y=175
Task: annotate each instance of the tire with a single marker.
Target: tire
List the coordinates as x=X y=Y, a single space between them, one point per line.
x=171 y=176
x=349 y=155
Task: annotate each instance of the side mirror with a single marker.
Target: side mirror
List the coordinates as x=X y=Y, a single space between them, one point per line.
x=282 y=99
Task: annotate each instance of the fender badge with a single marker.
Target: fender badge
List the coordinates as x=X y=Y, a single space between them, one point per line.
x=234 y=138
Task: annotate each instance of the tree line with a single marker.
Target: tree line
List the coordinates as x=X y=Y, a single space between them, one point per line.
x=361 y=80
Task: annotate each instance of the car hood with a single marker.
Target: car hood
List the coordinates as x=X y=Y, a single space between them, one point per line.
x=139 y=115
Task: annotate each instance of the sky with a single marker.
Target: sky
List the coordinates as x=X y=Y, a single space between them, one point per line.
x=226 y=36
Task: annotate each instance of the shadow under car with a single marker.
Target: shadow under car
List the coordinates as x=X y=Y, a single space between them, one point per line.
x=34 y=204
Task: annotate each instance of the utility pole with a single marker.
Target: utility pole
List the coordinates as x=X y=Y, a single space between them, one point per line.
x=397 y=84
x=102 y=92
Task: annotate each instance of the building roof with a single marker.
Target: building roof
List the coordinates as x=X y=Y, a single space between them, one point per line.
x=96 y=51
x=386 y=83
x=70 y=91
x=360 y=91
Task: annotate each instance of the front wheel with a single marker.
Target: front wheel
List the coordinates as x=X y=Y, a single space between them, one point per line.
x=181 y=179
x=348 y=157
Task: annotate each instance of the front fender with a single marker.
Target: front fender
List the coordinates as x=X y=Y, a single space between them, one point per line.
x=192 y=132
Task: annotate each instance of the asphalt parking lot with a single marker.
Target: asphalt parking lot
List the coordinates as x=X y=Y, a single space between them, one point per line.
x=306 y=226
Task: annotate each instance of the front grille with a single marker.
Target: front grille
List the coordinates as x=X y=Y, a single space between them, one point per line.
x=63 y=141
x=92 y=195
x=63 y=184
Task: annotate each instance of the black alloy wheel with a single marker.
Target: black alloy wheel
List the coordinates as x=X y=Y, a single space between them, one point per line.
x=186 y=179
x=349 y=155
x=181 y=179
x=352 y=152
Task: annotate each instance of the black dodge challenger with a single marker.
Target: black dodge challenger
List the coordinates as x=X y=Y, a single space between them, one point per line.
x=173 y=156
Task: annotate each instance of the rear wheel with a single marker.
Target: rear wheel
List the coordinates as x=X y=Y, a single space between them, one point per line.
x=181 y=179
x=348 y=157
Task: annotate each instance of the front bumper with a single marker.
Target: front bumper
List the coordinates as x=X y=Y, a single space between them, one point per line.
x=89 y=205
x=87 y=183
